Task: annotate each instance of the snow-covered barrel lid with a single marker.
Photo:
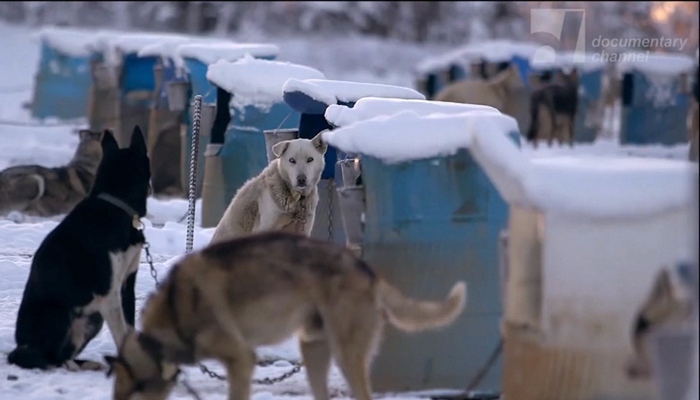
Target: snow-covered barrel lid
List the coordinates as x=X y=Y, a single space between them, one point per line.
x=655 y=63
x=258 y=82
x=209 y=53
x=407 y=136
x=313 y=96
x=585 y=186
x=490 y=51
x=70 y=41
x=566 y=60
x=371 y=107
x=168 y=50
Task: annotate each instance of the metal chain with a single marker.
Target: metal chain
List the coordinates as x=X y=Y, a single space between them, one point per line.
x=302 y=204
x=330 y=209
x=192 y=195
x=149 y=260
x=296 y=367
x=486 y=367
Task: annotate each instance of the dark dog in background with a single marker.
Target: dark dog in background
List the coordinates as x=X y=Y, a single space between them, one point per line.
x=42 y=191
x=553 y=108
x=84 y=272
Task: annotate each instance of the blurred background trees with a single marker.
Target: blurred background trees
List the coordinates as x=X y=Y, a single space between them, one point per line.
x=443 y=22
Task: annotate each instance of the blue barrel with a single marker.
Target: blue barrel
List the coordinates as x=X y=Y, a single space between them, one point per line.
x=137 y=73
x=654 y=109
x=62 y=85
x=428 y=224
x=136 y=78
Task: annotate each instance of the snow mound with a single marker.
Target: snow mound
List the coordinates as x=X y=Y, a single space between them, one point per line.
x=331 y=91
x=69 y=41
x=408 y=136
x=257 y=82
x=209 y=53
x=371 y=107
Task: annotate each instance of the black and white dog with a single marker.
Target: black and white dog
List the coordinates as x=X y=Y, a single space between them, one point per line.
x=84 y=271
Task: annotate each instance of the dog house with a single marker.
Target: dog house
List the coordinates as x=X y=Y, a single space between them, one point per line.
x=62 y=82
x=350 y=190
x=196 y=58
x=656 y=91
x=105 y=93
x=310 y=98
x=586 y=239
x=135 y=77
x=251 y=92
x=432 y=217
x=167 y=114
x=474 y=61
x=589 y=117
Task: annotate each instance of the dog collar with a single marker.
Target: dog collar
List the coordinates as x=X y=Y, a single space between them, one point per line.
x=135 y=220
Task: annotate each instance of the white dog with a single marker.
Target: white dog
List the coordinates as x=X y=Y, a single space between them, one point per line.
x=283 y=197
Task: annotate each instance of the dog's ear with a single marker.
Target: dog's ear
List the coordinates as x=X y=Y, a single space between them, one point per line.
x=663 y=288
x=318 y=142
x=109 y=143
x=138 y=142
x=279 y=148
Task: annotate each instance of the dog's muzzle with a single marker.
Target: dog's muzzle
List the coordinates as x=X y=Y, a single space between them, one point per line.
x=301 y=181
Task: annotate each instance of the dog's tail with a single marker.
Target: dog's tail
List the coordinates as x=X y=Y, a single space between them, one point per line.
x=27 y=357
x=41 y=186
x=411 y=315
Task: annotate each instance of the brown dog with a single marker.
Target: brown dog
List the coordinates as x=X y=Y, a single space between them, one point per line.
x=233 y=296
x=41 y=191
x=504 y=91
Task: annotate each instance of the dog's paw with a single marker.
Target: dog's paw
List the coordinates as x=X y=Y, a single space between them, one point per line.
x=92 y=366
x=71 y=365
x=83 y=365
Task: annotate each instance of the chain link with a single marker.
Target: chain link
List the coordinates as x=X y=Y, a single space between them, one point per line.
x=149 y=260
x=331 y=183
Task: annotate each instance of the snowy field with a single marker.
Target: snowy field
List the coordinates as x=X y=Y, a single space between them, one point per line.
x=165 y=226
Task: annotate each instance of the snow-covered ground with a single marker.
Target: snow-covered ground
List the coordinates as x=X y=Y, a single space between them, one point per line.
x=165 y=226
